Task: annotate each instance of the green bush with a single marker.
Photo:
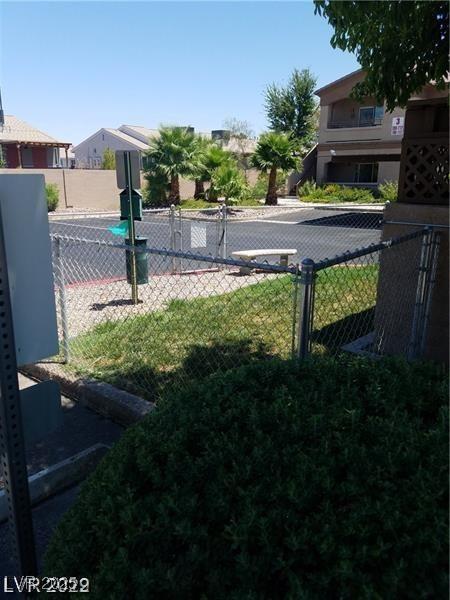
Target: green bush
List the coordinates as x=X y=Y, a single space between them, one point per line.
x=52 y=193
x=347 y=194
x=334 y=193
x=389 y=191
x=307 y=188
x=327 y=480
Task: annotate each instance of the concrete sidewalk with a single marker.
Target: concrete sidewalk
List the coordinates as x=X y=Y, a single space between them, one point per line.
x=81 y=429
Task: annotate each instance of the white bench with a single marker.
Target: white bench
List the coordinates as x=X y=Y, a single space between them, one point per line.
x=252 y=255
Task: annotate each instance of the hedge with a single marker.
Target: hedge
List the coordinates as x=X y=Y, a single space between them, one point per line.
x=327 y=480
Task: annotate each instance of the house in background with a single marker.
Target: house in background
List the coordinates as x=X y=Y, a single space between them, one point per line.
x=359 y=142
x=25 y=147
x=89 y=152
x=66 y=158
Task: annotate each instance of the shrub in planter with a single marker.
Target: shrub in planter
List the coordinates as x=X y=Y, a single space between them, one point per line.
x=327 y=480
x=347 y=194
x=52 y=193
x=307 y=188
x=334 y=193
x=389 y=191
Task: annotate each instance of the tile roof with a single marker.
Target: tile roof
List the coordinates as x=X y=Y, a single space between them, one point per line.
x=16 y=130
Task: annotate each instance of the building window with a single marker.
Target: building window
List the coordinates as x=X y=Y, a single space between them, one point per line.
x=366 y=173
x=370 y=115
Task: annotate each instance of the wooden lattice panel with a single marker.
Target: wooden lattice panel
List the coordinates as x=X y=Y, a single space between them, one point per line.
x=425 y=177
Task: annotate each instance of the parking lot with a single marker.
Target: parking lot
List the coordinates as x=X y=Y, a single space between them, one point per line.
x=313 y=233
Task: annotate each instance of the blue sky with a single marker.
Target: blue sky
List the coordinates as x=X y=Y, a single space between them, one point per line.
x=70 y=68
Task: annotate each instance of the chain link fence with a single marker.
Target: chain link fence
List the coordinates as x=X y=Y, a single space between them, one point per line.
x=198 y=314
x=371 y=301
x=187 y=323
x=219 y=232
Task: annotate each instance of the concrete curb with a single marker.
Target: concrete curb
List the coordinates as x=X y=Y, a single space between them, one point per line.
x=119 y=406
x=58 y=477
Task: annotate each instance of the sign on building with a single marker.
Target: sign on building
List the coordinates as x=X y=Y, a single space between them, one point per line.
x=397 y=126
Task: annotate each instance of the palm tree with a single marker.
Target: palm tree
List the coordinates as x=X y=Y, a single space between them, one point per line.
x=229 y=181
x=274 y=151
x=175 y=155
x=212 y=158
x=203 y=145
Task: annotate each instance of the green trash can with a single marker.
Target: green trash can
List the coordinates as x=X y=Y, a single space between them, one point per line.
x=141 y=261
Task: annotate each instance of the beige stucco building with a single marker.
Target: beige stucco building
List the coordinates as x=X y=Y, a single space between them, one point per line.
x=359 y=141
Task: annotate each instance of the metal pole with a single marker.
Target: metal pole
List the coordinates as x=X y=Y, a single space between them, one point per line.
x=222 y=231
x=131 y=232
x=417 y=320
x=295 y=292
x=12 y=445
x=224 y=227
x=435 y=240
x=173 y=240
x=180 y=236
x=307 y=276
x=59 y=268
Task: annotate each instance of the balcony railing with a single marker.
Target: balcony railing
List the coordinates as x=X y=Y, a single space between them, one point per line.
x=354 y=124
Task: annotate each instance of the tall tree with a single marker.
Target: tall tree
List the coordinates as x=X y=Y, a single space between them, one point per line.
x=274 y=152
x=174 y=153
x=291 y=109
x=402 y=45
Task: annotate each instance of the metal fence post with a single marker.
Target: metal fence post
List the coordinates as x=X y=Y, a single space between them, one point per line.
x=295 y=292
x=434 y=244
x=221 y=250
x=59 y=270
x=306 y=308
x=421 y=290
x=173 y=240
x=224 y=230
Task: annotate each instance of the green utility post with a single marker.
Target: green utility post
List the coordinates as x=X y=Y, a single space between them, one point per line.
x=131 y=231
x=129 y=181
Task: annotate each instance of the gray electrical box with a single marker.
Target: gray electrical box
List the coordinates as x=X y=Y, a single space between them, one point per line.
x=135 y=174
x=23 y=207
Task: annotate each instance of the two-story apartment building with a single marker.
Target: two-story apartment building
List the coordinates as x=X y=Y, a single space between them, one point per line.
x=359 y=142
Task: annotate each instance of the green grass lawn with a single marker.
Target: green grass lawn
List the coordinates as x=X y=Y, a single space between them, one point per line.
x=190 y=339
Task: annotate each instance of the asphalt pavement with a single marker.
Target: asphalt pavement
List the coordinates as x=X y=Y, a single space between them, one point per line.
x=313 y=233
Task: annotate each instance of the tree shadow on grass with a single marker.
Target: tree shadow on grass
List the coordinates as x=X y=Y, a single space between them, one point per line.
x=200 y=362
x=335 y=335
